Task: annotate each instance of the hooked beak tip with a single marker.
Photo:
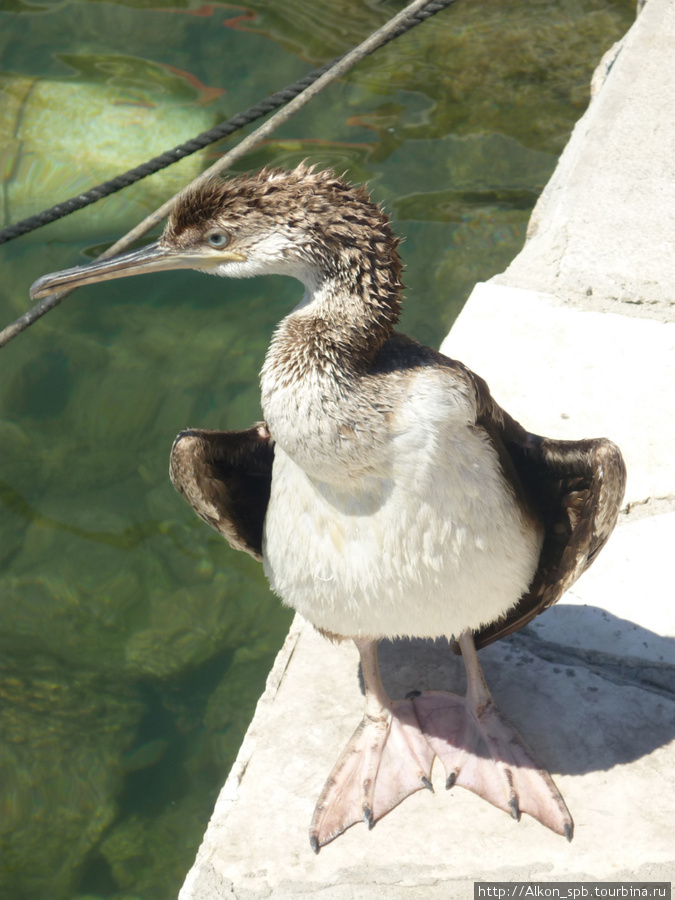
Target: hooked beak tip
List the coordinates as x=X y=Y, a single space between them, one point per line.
x=38 y=289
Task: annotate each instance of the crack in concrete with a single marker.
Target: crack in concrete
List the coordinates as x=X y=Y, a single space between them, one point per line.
x=654 y=677
x=650 y=506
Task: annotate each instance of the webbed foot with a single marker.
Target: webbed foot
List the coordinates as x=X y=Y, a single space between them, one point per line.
x=386 y=760
x=482 y=751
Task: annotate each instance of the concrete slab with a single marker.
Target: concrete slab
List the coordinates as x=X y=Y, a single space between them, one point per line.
x=602 y=233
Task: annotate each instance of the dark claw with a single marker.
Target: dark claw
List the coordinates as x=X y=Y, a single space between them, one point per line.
x=569 y=830
x=412 y=694
x=368 y=817
x=450 y=781
x=427 y=784
x=314 y=843
x=515 y=809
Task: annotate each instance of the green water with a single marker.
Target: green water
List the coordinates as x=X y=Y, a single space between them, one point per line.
x=133 y=642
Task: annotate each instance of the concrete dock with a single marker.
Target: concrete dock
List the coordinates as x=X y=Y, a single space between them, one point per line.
x=575 y=339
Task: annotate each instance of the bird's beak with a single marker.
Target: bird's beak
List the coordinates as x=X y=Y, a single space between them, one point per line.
x=153 y=258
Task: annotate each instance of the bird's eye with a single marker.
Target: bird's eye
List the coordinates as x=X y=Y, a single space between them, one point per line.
x=217 y=239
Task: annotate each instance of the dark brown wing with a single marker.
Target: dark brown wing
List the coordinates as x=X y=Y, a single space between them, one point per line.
x=226 y=476
x=576 y=487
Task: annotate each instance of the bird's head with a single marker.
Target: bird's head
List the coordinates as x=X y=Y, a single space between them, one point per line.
x=304 y=223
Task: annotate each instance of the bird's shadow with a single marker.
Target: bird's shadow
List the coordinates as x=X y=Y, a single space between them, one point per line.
x=580 y=709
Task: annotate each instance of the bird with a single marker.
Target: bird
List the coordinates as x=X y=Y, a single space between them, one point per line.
x=385 y=491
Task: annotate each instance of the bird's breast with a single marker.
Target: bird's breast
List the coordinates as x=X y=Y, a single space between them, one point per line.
x=409 y=527
x=328 y=427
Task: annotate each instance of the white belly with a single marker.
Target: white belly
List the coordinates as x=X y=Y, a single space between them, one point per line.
x=430 y=544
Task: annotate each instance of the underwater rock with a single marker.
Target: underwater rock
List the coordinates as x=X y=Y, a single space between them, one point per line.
x=118 y=118
x=185 y=627
x=63 y=733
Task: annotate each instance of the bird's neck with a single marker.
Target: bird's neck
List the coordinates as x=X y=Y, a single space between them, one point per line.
x=350 y=307
x=319 y=353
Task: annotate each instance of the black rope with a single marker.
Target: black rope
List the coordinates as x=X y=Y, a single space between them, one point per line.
x=274 y=101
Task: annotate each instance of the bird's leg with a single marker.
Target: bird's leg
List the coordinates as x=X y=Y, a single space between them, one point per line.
x=387 y=759
x=482 y=751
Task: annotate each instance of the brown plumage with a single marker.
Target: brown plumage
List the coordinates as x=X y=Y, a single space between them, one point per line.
x=226 y=478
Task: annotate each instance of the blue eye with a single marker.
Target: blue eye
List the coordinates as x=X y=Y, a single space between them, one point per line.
x=217 y=239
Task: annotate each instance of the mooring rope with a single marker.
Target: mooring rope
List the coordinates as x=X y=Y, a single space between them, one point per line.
x=291 y=99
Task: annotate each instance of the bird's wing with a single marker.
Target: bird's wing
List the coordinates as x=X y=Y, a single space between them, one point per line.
x=226 y=476
x=576 y=487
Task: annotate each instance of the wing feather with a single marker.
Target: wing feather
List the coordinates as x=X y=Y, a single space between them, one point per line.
x=226 y=476
x=576 y=487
